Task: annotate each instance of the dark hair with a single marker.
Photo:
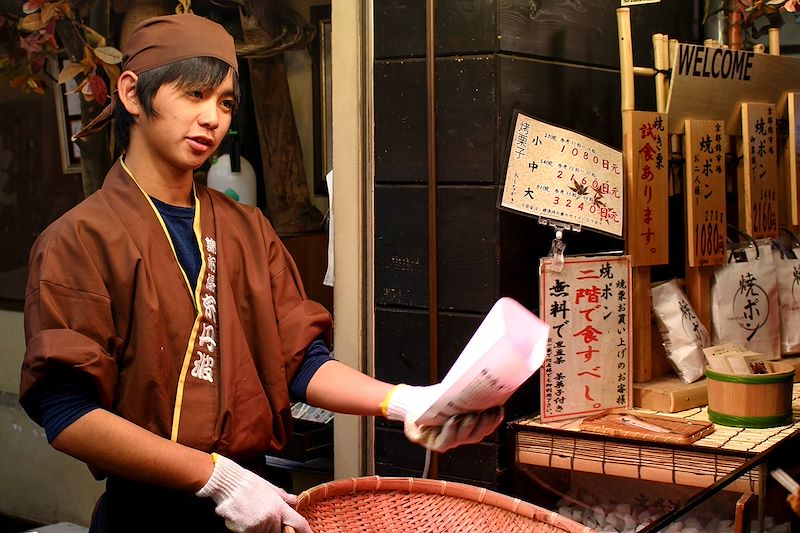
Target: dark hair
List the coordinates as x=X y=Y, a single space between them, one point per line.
x=192 y=74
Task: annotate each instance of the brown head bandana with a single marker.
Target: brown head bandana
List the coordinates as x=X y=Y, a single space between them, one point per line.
x=159 y=41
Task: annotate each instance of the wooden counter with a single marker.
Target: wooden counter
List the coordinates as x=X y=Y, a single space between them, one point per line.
x=564 y=445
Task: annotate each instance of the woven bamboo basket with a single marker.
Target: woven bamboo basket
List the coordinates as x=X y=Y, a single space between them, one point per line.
x=387 y=504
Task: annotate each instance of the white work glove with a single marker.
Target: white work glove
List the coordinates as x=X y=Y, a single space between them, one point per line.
x=406 y=403
x=250 y=503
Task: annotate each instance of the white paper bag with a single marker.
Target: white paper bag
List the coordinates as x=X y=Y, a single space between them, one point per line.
x=787 y=269
x=683 y=336
x=744 y=302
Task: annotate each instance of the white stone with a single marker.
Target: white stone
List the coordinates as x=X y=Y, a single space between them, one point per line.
x=675 y=527
x=781 y=528
x=693 y=523
x=623 y=508
x=615 y=519
x=599 y=515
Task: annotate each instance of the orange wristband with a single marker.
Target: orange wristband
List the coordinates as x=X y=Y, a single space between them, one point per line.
x=384 y=405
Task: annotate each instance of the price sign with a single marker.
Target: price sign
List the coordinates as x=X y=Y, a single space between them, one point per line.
x=561 y=175
x=705 y=196
x=760 y=203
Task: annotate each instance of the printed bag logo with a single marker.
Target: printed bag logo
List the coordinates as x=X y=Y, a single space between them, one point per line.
x=691 y=325
x=750 y=305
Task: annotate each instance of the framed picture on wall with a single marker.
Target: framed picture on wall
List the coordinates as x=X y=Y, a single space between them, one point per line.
x=68 y=113
x=321 y=91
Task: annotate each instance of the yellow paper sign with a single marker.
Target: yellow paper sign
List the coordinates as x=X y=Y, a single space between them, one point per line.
x=560 y=175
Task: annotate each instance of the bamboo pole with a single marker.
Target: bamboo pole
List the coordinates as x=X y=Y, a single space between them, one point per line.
x=775 y=41
x=644 y=71
x=675 y=144
x=625 y=57
x=640 y=276
x=661 y=61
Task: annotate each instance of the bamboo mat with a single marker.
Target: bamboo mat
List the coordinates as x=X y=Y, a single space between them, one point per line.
x=563 y=445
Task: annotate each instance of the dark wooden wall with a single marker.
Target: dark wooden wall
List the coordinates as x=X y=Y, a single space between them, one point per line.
x=557 y=61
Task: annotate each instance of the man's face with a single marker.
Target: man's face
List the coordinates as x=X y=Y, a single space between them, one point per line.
x=189 y=126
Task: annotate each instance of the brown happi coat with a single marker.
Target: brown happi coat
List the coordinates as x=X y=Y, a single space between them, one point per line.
x=209 y=368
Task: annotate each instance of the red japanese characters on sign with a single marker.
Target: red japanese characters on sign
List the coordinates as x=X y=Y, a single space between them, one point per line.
x=645 y=140
x=560 y=175
x=588 y=362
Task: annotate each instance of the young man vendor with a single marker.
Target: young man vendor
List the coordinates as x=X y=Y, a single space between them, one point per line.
x=167 y=328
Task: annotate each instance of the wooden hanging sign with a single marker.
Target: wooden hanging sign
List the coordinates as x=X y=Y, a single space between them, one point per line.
x=710 y=83
x=706 y=218
x=645 y=145
x=560 y=175
x=588 y=364
x=759 y=203
x=792 y=161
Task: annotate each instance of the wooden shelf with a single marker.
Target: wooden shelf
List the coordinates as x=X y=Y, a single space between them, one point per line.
x=669 y=394
x=564 y=445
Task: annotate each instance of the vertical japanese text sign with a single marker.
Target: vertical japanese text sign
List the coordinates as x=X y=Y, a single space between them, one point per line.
x=760 y=202
x=645 y=146
x=792 y=159
x=705 y=196
x=588 y=363
x=561 y=175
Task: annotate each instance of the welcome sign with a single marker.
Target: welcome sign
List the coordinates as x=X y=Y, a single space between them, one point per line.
x=711 y=83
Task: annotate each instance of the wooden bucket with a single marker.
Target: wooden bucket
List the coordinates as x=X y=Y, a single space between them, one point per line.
x=751 y=400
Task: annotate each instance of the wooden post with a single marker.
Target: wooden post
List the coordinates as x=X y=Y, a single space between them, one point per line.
x=735 y=29
x=645 y=161
x=791 y=161
x=640 y=275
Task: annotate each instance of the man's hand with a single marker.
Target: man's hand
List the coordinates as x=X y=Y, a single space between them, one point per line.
x=406 y=403
x=794 y=502
x=250 y=503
